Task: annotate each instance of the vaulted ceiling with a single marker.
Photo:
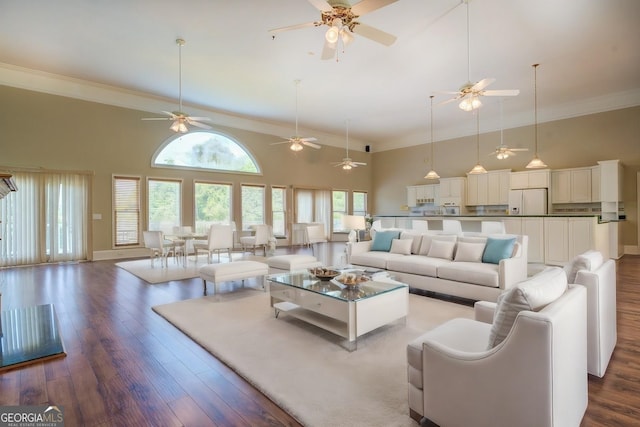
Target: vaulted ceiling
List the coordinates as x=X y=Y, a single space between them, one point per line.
x=235 y=72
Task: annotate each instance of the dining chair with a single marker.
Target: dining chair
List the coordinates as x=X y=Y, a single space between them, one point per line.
x=158 y=247
x=220 y=238
x=259 y=238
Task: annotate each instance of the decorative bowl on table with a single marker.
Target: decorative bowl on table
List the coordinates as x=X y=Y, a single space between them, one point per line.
x=351 y=279
x=324 y=273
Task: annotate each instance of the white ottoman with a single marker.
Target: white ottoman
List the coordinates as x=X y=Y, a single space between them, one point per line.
x=235 y=270
x=280 y=263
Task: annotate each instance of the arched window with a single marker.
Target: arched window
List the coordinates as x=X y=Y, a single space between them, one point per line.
x=205 y=150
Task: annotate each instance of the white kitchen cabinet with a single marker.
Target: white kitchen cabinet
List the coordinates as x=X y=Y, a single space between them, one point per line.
x=534 y=228
x=595 y=184
x=452 y=191
x=568 y=237
x=571 y=185
x=477 y=189
x=512 y=225
x=611 y=174
x=412 y=196
x=498 y=187
x=530 y=179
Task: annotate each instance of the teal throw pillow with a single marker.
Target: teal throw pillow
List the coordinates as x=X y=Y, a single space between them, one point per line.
x=383 y=239
x=497 y=249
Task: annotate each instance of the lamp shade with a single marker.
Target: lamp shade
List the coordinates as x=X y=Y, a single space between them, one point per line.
x=353 y=222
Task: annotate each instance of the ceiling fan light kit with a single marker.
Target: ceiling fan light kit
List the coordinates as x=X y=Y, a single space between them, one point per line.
x=536 y=162
x=432 y=173
x=297 y=142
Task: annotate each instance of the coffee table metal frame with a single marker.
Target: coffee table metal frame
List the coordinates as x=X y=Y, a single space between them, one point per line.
x=346 y=312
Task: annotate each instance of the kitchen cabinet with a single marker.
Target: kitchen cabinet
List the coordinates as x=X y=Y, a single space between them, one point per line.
x=571 y=185
x=534 y=229
x=530 y=179
x=421 y=194
x=488 y=189
x=611 y=173
x=452 y=191
x=567 y=237
x=595 y=183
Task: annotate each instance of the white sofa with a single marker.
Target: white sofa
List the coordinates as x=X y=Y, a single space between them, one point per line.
x=599 y=277
x=460 y=375
x=461 y=274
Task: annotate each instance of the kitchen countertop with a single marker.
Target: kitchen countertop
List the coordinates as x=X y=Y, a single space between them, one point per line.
x=489 y=215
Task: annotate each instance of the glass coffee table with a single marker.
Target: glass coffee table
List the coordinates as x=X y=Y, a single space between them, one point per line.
x=346 y=311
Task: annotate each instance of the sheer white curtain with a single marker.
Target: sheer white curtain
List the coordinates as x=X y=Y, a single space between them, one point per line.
x=47 y=219
x=313 y=205
x=323 y=212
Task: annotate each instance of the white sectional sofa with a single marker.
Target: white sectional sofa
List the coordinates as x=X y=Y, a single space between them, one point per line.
x=446 y=263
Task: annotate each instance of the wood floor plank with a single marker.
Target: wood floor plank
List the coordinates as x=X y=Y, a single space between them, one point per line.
x=126 y=365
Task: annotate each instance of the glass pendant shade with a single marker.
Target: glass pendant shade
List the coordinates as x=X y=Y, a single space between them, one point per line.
x=296 y=146
x=432 y=175
x=477 y=170
x=536 y=163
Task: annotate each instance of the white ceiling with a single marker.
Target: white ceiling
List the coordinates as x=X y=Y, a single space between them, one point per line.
x=588 y=50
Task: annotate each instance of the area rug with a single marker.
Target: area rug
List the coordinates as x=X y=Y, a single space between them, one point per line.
x=173 y=271
x=305 y=369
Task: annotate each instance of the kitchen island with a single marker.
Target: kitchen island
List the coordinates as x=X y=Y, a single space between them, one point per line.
x=554 y=239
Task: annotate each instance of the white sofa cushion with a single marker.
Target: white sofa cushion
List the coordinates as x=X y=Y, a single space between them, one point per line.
x=532 y=294
x=590 y=261
x=442 y=249
x=476 y=273
x=425 y=245
x=470 y=252
x=416 y=240
x=401 y=246
x=417 y=264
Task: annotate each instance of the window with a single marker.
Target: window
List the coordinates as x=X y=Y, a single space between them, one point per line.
x=126 y=211
x=339 y=209
x=46 y=220
x=205 y=150
x=212 y=205
x=164 y=205
x=359 y=203
x=252 y=206
x=278 y=210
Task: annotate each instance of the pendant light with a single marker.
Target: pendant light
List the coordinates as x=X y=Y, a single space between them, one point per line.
x=535 y=163
x=432 y=173
x=478 y=168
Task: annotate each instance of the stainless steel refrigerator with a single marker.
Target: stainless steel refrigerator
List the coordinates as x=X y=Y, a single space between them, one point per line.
x=528 y=202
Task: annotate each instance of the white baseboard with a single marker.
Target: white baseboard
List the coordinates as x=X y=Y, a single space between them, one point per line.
x=632 y=250
x=120 y=254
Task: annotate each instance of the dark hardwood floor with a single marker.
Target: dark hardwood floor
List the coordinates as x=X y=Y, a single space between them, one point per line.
x=126 y=366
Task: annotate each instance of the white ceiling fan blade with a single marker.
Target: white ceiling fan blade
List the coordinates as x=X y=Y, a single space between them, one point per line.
x=198 y=124
x=328 y=50
x=321 y=5
x=288 y=141
x=359 y=163
x=170 y=114
x=448 y=101
x=501 y=92
x=200 y=119
x=366 y=6
x=308 y=139
x=294 y=27
x=518 y=149
x=374 y=34
x=310 y=144
x=482 y=84
x=156 y=118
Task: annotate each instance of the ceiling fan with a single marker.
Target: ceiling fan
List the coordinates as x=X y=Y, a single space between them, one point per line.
x=347 y=163
x=502 y=151
x=469 y=93
x=297 y=142
x=180 y=118
x=341 y=18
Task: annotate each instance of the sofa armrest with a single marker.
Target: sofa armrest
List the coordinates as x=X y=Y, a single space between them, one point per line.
x=484 y=310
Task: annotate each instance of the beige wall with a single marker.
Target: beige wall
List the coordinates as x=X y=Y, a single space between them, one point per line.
x=576 y=142
x=53 y=132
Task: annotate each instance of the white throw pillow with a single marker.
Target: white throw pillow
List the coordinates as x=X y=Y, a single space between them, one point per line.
x=441 y=249
x=425 y=245
x=416 y=239
x=469 y=252
x=401 y=246
x=532 y=294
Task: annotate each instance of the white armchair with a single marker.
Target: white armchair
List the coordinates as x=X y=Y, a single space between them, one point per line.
x=315 y=234
x=536 y=376
x=599 y=277
x=159 y=247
